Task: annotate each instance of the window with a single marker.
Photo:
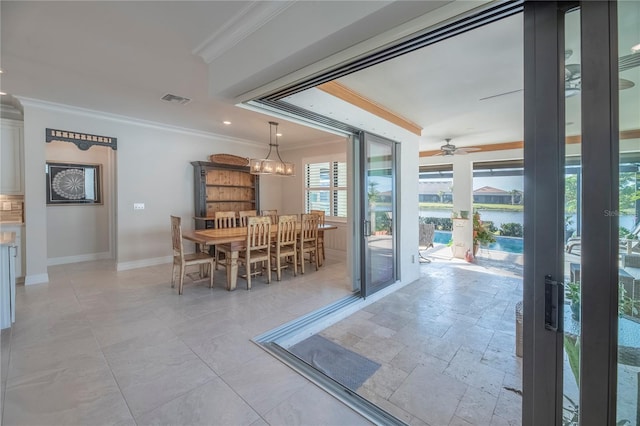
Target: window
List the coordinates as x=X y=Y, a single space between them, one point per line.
x=326 y=187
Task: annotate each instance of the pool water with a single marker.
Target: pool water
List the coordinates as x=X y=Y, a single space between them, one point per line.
x=508 y=244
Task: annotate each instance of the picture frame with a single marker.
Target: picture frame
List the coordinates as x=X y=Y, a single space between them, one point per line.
x=73 y=183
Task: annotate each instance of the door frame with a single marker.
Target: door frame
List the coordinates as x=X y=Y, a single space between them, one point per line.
x=544 y=171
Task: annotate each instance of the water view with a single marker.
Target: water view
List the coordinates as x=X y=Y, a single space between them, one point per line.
x=507 y=244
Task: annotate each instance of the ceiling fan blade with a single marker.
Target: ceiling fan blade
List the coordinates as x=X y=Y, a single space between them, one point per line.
x=460 y=151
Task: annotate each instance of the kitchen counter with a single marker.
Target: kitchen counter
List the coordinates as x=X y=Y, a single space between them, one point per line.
x=7 y=238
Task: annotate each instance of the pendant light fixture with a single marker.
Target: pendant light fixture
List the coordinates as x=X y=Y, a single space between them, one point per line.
x=267 y=166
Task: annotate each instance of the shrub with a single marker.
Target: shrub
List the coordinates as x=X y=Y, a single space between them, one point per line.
x=511 y=229
x=441 y=223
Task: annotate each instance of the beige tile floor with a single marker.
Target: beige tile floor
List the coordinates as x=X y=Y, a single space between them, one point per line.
x=95 y=346
x=446 y=343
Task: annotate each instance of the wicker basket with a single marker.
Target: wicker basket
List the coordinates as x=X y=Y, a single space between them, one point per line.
x=232 y=160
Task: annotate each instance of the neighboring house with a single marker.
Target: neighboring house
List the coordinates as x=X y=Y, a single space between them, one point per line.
x=435 y=192
x=491 y=195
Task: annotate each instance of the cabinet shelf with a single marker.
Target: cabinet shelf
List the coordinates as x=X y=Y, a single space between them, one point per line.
x=230 y=201
x=212 y=185
x=223 y=187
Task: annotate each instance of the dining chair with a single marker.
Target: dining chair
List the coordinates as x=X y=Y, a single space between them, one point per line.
x=321 y=217
x=308 y=240
x=181 y=260
x=285 y=244
x=223 y=219
x=257 y=247
x=273 y=214
x=244 y=214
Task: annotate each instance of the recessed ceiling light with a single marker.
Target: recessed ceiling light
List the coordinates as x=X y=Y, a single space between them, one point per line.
x=226 y=122
x=278 y=134
x=636 y=48
x=2 y=93
x=1 y=71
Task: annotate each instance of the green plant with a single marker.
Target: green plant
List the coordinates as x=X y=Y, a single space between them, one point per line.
x=481 y=235
x=626 y=305
x=511 y=229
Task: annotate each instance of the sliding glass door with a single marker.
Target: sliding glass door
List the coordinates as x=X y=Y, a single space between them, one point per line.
x=378 y=201
x=581 y=326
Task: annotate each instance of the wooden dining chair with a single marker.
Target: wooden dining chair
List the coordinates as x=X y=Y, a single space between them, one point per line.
x=223 y=219
x=321 y=217
x=244 y=214
x=285 y=244
x=181 y=260
x=308 y=240
x=273 y=214
x=257 y=248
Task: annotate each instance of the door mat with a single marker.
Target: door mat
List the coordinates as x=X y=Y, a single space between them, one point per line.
x=341 y=364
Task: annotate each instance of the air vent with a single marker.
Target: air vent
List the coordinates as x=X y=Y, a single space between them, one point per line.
x=175 y=99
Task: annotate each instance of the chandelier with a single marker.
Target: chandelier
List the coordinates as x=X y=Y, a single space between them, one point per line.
x=266 y=166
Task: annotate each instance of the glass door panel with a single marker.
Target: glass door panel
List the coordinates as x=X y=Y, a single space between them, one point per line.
x=628 y=393
x=379 y=218
x=573 y=219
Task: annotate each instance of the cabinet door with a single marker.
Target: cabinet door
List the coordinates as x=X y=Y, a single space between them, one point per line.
x=11 y=158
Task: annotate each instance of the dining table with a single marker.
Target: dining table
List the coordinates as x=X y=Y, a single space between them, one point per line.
x=236 y=238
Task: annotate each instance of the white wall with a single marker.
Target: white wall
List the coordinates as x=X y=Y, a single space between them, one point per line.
x=80 y=232
x=152 y=166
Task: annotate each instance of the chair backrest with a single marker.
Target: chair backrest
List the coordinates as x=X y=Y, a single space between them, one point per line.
x=273 y=214
x=244 y=214
x=426 y=234
x=309 y=228
x=320 y=214
x=258 y=232
x=176 y=236
x=287 y=230
x=224 y=220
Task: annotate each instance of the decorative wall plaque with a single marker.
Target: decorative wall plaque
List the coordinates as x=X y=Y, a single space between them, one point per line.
x=84 y=141
x=74 y=183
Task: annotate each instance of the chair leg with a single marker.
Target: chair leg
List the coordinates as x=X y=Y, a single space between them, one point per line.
x=181 y=282
x=173 y=275
x=278 y=267
x=269 y=269
x=210 y=268
x=317 y=256
x=248 y=271
x=302 y=262
x=295 y=263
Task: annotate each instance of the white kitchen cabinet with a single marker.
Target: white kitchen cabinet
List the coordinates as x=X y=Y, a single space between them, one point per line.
x=11 y=154
x=7 y=282
x=19 y=252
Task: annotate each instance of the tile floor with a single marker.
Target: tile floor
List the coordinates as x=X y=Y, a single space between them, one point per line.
x=95 y=346
x=446 y=343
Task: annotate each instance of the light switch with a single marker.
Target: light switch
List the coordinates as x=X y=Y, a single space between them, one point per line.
x=138 y=206
x=6 y=205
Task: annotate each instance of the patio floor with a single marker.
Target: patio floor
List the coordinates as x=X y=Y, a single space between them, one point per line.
x=445 y=343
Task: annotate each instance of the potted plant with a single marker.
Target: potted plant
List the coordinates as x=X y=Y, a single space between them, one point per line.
x=572 y=294
x=481 y=235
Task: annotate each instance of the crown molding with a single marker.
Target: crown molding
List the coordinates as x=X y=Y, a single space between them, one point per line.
x=85 y=112
x=249 y=20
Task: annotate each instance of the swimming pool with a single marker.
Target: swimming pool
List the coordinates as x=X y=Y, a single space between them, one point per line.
x=508 y=244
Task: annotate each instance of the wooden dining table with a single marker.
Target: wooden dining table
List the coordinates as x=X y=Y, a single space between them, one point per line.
x=237 y=238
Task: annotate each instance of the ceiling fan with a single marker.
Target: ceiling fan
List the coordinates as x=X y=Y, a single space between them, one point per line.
x=572 y=74
x=449 y=149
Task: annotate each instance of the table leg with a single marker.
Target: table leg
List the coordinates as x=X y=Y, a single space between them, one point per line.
x=232 y=270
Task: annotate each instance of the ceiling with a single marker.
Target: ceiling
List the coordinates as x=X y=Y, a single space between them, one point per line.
x=122 y=57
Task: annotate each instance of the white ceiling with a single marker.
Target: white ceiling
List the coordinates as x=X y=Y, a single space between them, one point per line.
x=121 y=57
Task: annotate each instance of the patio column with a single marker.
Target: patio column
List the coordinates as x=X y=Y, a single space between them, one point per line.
x=462 y=201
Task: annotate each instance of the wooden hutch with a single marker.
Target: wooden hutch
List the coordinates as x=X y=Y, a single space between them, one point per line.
x=223 y=185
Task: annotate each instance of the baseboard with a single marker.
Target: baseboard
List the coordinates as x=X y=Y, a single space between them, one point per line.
x=143 y=263
x=36 y=279
x=79 y=258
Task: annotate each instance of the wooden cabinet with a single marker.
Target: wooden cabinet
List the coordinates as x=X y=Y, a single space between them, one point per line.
x=220 y=187
x=11 y=177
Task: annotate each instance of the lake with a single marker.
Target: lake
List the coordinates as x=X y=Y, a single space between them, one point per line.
x=499 y=217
